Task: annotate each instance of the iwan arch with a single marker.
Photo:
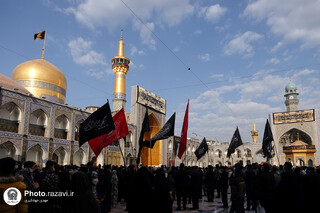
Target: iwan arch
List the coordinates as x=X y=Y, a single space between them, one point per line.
x=296 y=132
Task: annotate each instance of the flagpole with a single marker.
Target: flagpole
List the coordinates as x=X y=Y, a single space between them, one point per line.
x=276 y=152
x=150 y=149
x=44 y=44
x=124 y=160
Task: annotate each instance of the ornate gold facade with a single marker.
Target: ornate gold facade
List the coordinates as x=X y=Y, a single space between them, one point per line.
x=42 y=79
x=120 y=66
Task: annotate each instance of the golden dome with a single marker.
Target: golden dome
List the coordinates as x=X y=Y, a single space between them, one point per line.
x=42 y=79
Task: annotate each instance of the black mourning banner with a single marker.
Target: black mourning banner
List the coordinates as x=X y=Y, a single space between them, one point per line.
x=267 y=141
x=144 y=128
x=235 y=142
x=166 y=131
x=40 y=35
x=98 y=123
x=202 y=149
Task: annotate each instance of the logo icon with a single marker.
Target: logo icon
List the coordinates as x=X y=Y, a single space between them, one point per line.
x=12 y=196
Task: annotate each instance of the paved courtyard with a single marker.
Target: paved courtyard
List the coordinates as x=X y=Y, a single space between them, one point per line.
x=204 y=206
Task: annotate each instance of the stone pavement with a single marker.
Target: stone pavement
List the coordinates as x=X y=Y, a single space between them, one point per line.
x=205 y=207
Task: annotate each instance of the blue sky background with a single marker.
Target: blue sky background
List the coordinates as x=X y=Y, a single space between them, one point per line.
x=245 y=52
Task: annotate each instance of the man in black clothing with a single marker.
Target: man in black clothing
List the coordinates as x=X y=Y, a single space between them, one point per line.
x=266 y=186
x=181 y=183
x=224 y=186
x=250 y=183
x=210 y=182
x=196 y=186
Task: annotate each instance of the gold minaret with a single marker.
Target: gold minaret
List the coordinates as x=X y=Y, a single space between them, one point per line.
x=254 y=133
x=120 y=66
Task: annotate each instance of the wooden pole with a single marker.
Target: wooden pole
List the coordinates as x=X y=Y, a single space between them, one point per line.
x=124 y=160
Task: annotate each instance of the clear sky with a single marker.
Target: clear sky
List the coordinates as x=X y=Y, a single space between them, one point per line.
x=241 y=54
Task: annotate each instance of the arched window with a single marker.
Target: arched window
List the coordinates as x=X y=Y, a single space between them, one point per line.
x=38 y=123
x=249 y=155
x=77 y=127
x=218 y=153
x=10 y=117
x=61 y=127
x=7 y=149
x=170 y=145
x=129 y=139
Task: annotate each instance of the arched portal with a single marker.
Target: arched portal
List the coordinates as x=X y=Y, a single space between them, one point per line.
x=60 y=156
x=100 y=158
x=36 y=154
x=294 y=135
x=7 y=149
x=79 y=157
x=156 y=151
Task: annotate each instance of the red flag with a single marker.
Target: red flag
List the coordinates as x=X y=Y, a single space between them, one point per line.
x=98 y=143
x=183 y=142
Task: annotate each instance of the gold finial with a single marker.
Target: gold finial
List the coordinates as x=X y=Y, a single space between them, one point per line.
x=254 y=126
x=121 y=46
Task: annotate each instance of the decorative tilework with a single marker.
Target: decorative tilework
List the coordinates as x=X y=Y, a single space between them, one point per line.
x=14 y=95
x=45 y=146
x=62 y=141
x=10 y=135
x=75 y=149
x=18 y=102
x=35 y=107
x=38 y=138
x=79 y=117
x=16 y=143
x=26 y=118
x=57 y=146
x=43 y=85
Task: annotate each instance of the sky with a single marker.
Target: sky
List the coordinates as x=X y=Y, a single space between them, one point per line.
x=241 y=54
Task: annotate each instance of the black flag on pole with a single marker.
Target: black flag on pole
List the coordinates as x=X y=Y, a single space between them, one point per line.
x=164 y=133
x=144 y=128
x=202 y=149
x=236 y=141
x=40 y=35
x=98 y=123
x=267 y=141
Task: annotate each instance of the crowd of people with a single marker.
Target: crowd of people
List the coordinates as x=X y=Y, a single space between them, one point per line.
x=92 y=188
